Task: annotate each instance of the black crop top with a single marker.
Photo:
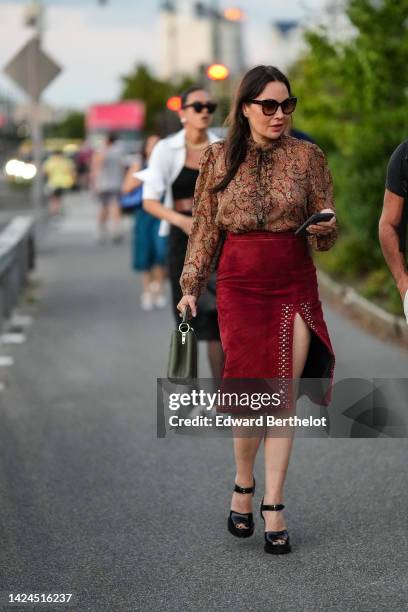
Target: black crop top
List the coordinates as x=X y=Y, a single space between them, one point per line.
x=184 y=185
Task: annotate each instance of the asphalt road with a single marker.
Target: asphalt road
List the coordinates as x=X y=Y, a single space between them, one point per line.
x=93 y=503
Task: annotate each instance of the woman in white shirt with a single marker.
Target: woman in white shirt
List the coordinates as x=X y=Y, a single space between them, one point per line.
x=172 y=172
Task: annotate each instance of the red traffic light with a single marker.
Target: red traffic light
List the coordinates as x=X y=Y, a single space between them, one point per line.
x=174 y=103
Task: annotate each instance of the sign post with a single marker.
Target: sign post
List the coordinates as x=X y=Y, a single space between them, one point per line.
x=33 y=70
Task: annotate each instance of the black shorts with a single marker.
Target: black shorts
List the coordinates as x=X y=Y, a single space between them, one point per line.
x=106 y=197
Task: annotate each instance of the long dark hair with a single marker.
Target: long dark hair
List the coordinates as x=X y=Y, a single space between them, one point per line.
x=184 y=95
x=251 y=85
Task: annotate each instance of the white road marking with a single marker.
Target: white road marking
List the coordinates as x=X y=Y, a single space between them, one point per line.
x=6 y=360
x=12 y=338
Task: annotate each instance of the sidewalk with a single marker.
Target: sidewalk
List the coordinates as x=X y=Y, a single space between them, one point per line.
x=93 y=503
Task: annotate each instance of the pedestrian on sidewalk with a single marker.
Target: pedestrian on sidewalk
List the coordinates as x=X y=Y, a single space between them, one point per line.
x=149 y=250
x=107 y=172
x=83 y=161
x=259 y=186
x=60 y=174
x=172 y=172
x=393 y=225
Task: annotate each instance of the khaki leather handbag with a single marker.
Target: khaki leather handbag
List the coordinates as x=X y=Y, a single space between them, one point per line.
x=182 y=364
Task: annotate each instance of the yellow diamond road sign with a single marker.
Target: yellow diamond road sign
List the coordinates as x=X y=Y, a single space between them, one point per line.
x=32 y=69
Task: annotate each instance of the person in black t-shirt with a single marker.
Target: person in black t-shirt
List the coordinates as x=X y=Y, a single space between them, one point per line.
x=391 y=218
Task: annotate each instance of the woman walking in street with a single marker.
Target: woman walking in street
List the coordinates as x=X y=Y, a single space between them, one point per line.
x=172 y=172
x=107 y=171
x=259 y=187
x=60 y=173
x=149 y=250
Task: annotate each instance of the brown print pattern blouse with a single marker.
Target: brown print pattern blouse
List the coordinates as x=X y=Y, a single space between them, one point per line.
x=275 y=189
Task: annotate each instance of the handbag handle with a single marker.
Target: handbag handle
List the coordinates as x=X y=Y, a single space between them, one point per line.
x=184 y=326
x=186 y=311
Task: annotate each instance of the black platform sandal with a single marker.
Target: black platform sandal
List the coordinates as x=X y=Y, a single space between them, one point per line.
x=236 y=518
x=272 y=544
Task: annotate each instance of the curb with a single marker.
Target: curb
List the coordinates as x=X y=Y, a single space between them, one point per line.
x=390 y=325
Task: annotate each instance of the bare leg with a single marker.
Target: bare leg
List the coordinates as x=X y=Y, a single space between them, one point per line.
x=54 y=205
x=146 y=280
x=278 y=449
x=245 y=450
x=116 y=216
x=159 y=274
x=215 y=358
x=146 y=298
x=102 y=220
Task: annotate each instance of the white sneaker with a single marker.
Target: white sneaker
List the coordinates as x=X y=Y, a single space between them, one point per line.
x=146 y=302
x=160 y=301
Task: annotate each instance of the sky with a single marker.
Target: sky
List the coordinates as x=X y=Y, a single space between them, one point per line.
x=96 y=44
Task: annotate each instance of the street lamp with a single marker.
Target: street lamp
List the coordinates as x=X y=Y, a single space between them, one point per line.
x=34 y=16
x=217 y=72
x=218 y=75
x=233 y=14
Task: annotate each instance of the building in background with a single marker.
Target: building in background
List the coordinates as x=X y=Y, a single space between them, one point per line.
x=286 y=42
x=195 y=34
x=49 y=114
x=8 y=125
x=7 y=105
x=286 y=38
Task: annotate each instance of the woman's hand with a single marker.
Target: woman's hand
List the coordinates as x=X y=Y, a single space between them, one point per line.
x=131 y=182
x=324 y=227
x=185 y=223
x=187 y=300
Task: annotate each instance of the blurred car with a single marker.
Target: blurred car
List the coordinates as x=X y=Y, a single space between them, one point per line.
x=21 y=169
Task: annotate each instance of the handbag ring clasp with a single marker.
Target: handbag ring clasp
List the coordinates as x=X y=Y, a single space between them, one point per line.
x=184 y=328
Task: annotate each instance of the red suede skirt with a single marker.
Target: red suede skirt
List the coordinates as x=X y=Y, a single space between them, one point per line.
x=263 y=280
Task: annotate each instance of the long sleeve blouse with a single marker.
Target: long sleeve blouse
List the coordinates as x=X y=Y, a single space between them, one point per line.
x=275 y=189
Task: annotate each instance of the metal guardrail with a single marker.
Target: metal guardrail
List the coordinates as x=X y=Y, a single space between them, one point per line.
x=17 y=259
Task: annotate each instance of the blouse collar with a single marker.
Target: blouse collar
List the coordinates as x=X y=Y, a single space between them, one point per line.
x=255 y=147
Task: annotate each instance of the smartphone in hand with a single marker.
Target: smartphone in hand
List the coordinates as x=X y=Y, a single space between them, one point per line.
x=315 y=218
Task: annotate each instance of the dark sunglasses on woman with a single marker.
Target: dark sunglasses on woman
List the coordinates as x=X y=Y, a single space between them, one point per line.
x=270 y=106
x=200 y=106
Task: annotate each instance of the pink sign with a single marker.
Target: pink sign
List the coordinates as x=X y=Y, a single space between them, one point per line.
x=118 y=116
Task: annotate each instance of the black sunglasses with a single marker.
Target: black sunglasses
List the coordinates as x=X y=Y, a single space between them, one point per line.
x=270 y=106
x=200 y=106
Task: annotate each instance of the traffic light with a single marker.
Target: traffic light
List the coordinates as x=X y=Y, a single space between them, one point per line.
x=174 y=103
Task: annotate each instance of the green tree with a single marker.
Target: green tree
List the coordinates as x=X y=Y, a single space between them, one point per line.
x=353 y=100
x=72 y=126
x=142 y=85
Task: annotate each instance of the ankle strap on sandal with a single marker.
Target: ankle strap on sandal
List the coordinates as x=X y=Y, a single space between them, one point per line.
x=239 y=489
x=272 y=506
